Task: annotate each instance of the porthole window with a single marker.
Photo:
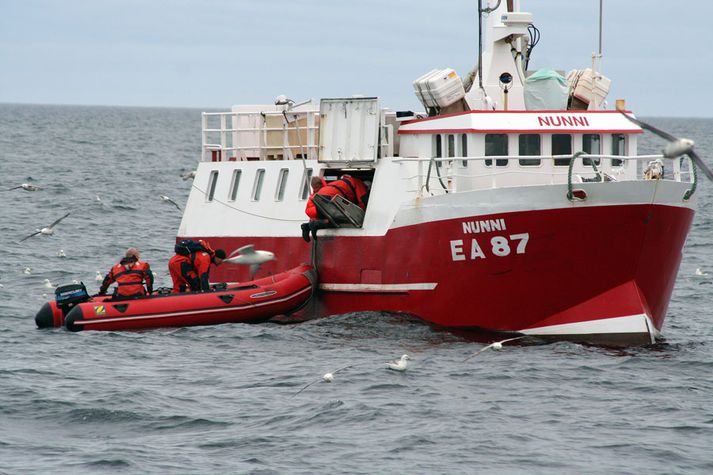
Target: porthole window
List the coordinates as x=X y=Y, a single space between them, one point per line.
x=257 y=186
x=234 y=183
x=306 y=183
x=281 y=184
x=212 y=182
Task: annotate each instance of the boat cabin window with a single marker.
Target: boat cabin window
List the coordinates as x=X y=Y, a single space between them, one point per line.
x=281 y=184
x=437 y=144
x=464 y=148
x=496 y=145
x=451 y=145
x=618 y=147
x=529 y=144
x=257 y=186
x=234 y=183
x=591 y=144
x=212 y=182
x=561 y=145
x=305 y=188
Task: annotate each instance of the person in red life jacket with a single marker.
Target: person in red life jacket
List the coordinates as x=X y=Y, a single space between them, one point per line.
x=202 y=261
x=183 y=274
x=129 y=274
x=352 y=189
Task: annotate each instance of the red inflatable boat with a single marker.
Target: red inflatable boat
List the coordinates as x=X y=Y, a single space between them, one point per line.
x=249 y=302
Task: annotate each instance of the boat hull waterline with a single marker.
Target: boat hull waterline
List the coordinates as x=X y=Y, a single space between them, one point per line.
x=597 y=273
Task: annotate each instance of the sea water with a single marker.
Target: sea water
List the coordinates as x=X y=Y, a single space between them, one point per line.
x=223 y=399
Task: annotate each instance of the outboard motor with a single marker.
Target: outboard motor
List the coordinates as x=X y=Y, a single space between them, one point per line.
x=66 y=297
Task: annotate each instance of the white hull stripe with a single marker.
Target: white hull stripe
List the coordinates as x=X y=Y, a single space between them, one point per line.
x=377 y=288
x=630 y=324
x=192 y=312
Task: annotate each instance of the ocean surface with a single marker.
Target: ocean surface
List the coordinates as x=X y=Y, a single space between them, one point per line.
x=222 y=399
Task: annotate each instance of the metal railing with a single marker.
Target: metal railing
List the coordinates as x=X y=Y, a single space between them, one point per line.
x=259 y=135
x=443 y=175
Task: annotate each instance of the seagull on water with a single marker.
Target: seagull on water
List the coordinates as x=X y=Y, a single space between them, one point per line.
x=169 y=200
x=399 y=365
x=28 y=270
x=49 y=284
x=498 y=345
x=48 y=231
x=247 y=255
x=700 y=272
x=326 y=377
x=99 y=277
x=25 y=186
x=188 y=175
x=61 y=253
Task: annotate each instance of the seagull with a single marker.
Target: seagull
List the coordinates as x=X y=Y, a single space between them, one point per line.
x=676 y=146
x=498 y=345
x=61 y=253
x=247 y=255
x=169 y=200
x=188 y=175
x=99 y=277
x=400 y=365
x=26 y=187
x=48 y=231
x=49 y=284
x=326 y=377
x=700 y=272
x=98 y=199
x=75 y=281
x=1 y=286
x=28 y=270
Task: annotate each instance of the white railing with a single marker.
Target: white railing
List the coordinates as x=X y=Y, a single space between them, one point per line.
x=230 y=136
x=450 y=177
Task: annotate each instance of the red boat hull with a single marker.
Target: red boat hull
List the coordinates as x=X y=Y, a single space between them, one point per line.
x=577 y=265
x=249 y=302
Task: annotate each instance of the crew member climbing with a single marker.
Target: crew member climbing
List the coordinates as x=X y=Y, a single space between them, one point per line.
x=349 y=187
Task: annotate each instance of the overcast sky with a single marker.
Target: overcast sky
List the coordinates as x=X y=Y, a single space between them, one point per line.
x=215 y=53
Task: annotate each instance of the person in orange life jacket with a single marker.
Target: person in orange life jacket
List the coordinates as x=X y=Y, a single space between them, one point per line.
x=202 y=261
x=129 y=274
x=183 y=274
x=352 y=189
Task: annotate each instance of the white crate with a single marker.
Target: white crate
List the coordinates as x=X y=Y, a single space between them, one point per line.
x=439 y=88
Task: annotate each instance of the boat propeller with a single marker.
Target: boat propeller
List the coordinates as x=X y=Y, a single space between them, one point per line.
x=247 y=255
x=676 y=146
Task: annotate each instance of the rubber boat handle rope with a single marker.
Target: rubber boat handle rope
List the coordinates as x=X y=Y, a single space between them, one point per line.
x=687 y=195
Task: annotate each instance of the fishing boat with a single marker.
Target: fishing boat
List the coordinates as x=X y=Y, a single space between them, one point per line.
x=515 y=202
x=249 y=302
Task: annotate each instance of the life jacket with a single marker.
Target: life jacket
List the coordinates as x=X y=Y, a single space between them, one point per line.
x=183 y=274
x=129 y=274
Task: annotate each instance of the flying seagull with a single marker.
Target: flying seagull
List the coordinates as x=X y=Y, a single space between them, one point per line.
x=26 y=187
x=169 y=200
x=399 y=365
x=326 y=377
x=247 y=255
x=676 y=146
x=48 y=231
x=498 y=345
